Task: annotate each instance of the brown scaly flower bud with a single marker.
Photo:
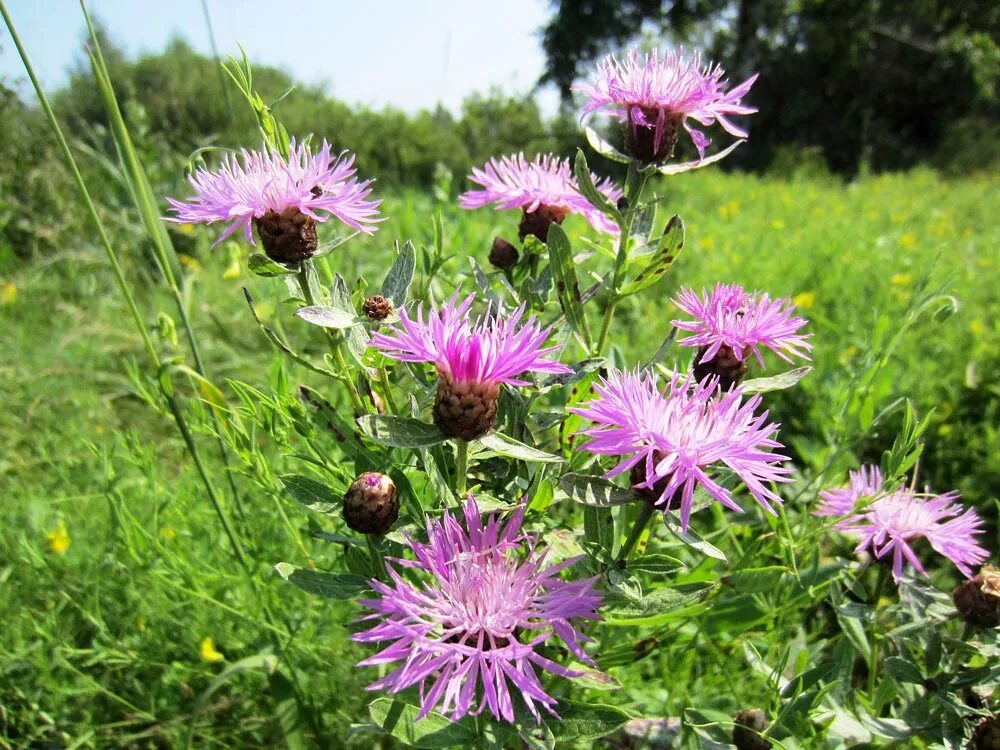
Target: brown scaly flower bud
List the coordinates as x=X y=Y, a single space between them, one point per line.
x=724 y=364
x=466 y=410
x=371 y=504
x=377 y=307
x=637 y=475
x=503 y=255
x=978 y=599
x=289 y=236
x=986 y=736
x=641 y=136
x=537 y=222
x=747 y=729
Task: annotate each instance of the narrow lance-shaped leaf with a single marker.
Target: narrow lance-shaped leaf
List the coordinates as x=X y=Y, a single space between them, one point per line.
x=775 y=382
x=508 y=446
x=397 y=281
x=588 y=189
x=433 y=731
x=260 y=265
x=670 y=246
x=604 y=148
x=327 y=585
x=595 y=491
x=312 y=494
x=400 y=432
x=325 y=316
x=567 y=286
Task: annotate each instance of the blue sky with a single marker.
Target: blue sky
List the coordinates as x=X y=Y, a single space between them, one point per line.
x=381 y=52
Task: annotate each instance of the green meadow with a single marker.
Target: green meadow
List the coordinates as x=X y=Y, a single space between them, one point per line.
x=127 y=622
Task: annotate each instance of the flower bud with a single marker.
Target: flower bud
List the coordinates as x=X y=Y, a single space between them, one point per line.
x=978 y=599
x=287 y=237
x=724 y=365
x=466 y=410
x=503 y=255
x=747 y=729
x=537 y=222
x=986 y=736
x=377 y=307
x=371 y=505
x=650 y=135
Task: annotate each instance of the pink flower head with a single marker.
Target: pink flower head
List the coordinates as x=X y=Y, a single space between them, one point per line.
x=467 y=626
x=866 y=482
x=492 y=349
x=258 y=182
x=659 y=93
x=673 y=437
x=514 y=182
x=894 y=520
x=728 y=316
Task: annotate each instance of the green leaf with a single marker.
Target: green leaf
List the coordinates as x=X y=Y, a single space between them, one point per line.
x=598 y=527
x=656 y=564
x=327 y=585
x=604 y=148
x=508 y=446
x=585 y=721
x=670 y=246
x=587 y=188
x=579 y=370
x=903 y=670
x=756 y=580
x=327 y=317
x=656 y=607
x=690 y=538
x=433 y=731
x=356 y=337
x=595 y=491
x=672 y=169
x=567 y=286
x=261 y=265
x=397 y=281
x=400 y=432
x=776 y=382
x=593 y=678
x=312 y=494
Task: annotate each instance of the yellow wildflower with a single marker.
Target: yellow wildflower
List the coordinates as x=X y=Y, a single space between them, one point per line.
x=909 y=241
x=901 y=279
x=168 y=534
x=805 y=300
x=707 y=243
x=208 y=652
x=58 y=538
x=8 y=293
x=847 y=355
x=977 y=327
x=186 y=228
x=778 y=224
x=189 y=262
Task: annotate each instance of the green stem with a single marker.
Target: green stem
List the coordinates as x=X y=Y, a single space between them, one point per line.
x=334 y=341
x=387 y=389
x=461 y=467
x=622 y=257
x=377 y=557
x=646 y=511
x=883 y=577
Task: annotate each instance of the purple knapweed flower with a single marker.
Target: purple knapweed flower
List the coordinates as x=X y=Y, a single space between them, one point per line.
x=671 y=439
x=729 y=324
x=468 y=625
x=653 y=95
x=544 y=189
x=473 y=358
x=282 y=197
x=894 y=520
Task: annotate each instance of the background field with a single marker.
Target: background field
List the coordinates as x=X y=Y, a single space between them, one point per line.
x=104 y=625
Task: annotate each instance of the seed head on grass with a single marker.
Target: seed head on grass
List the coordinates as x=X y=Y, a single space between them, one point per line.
x=468 y=626
x=282 y=197
x=896 y=519
x=670 y=440
x=544 y=189
x=473 y=358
